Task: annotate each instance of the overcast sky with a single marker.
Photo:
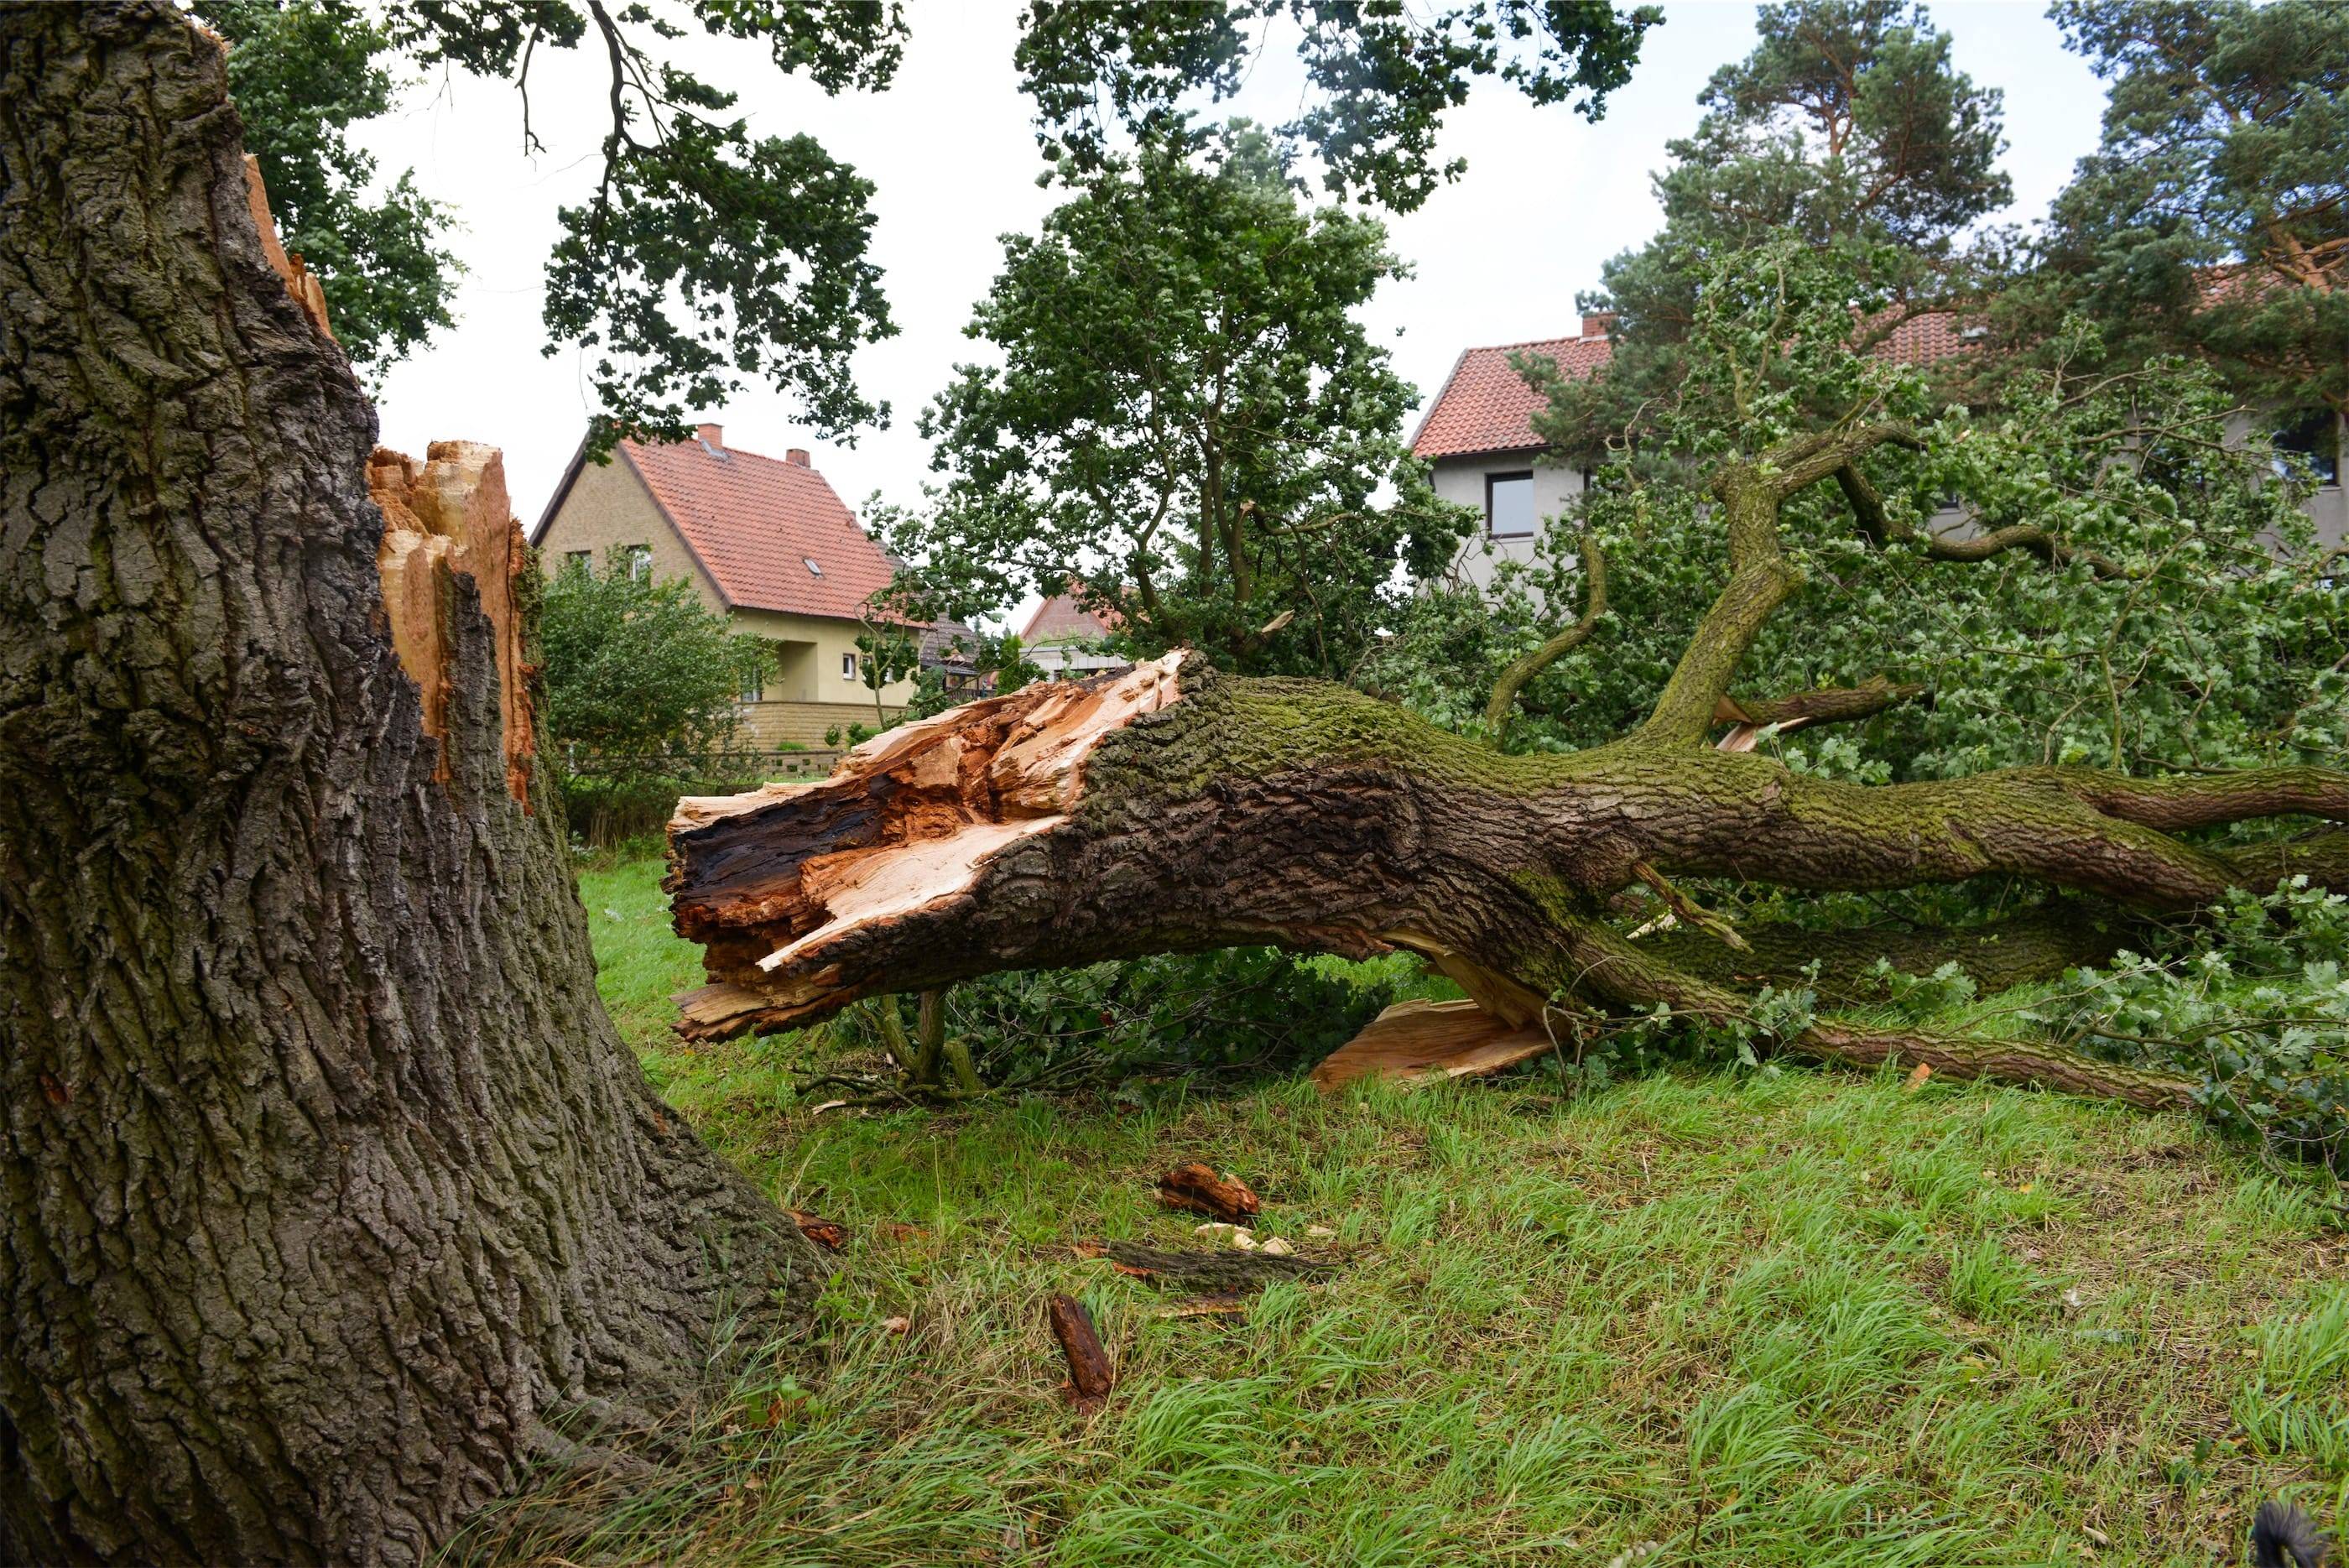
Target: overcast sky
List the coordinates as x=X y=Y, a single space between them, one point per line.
x=1499 y=254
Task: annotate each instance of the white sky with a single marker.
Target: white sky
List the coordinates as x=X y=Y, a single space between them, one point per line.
x=1499 y=254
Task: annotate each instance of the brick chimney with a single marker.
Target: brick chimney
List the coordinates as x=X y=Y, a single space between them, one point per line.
x=1598 y=325
x=797 y=456
x=712 y=436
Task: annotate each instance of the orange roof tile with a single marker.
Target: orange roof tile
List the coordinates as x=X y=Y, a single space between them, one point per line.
x=1061 y=619
x=1486 y=406
x=755 y=523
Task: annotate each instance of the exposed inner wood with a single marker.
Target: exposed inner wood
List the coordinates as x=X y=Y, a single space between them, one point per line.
x=1419 y=1041
x=447 y=517
x=300 y=281
x=769 y=880
x=449 y=514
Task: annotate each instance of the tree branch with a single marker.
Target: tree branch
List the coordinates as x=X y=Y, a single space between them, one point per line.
x=1825 y=705
x=1616 y=971
x=1879 y=527
x=1513 y=679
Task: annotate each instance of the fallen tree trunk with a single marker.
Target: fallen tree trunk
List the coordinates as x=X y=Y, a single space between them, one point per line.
x=1174 y=808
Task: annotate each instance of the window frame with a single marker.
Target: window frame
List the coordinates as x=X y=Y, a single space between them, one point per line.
x=1533 y=528
x=849 y=667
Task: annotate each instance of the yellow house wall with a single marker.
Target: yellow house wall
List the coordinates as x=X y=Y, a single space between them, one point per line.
x=805 y=693
x=610 y=505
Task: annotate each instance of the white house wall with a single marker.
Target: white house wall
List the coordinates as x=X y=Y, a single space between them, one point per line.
x=1461 y=480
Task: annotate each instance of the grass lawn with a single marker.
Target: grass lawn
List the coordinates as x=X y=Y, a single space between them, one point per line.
x=1797 y=1317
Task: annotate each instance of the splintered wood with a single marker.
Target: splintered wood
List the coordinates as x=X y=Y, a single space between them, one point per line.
x=444 y=518
x=1429 y=1041
x=769 y=882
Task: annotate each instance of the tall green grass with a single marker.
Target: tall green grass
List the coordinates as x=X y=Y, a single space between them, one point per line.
x=1767 y=1318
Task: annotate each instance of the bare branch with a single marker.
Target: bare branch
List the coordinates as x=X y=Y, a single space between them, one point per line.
x=1513 y=679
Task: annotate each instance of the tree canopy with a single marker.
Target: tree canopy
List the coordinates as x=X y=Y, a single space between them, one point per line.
x=637 y=667
x=2214 y=215
x=1847 y=128
x=707 y=255
x=303 y=73
x=1188 y=421
x=2134 y=590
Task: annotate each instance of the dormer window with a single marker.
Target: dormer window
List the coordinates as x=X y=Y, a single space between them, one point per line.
x=813 y=570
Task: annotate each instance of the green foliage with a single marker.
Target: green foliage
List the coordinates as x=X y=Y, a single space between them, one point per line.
x=1846 y=130
x=303 y=72
x=2226 y=145
x=1380 y=77
x=704 y=256
x=1237 y=1007
x=2258 y=1008
x=2220 y=645
x=1188 y=424
x=636 y=668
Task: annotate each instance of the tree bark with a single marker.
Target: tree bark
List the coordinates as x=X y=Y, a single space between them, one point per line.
x=1173 y=808
x=331 y=1193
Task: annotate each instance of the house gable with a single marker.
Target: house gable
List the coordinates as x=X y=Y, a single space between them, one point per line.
x=598 y=508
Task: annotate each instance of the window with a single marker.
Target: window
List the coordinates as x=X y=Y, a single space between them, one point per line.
x=754 y=680
x=2317 y=439
x=578 y=560
x=813 y=570
x=1509 y=505
x=640 y=562
x=848 y=667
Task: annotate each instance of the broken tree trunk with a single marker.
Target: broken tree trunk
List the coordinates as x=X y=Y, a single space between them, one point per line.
x=1173 y=808
x=333 y=1195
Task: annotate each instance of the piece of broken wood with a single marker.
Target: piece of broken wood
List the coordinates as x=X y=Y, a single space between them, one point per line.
x=1427 y=1042
x=829 y=1234
x=1089 y=1377
x=1202 y=1189
x=1220 y=1269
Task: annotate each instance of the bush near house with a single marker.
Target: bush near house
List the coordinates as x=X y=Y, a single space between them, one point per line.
x=641 y=684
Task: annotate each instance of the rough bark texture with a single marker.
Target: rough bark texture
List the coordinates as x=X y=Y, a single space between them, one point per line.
x=330 y=1191
x=1251 y=811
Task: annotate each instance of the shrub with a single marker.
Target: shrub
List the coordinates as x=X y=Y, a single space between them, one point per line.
x=1241 y=1007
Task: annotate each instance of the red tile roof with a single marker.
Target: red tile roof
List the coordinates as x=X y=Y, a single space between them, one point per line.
x=1061 y=619
x=1486 y=406
x=754 y=523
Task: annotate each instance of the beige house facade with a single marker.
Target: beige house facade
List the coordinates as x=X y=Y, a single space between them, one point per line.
x=766 y=542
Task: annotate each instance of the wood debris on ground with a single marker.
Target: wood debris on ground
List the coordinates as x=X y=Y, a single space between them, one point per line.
x=1201 y=1188
x=1089 y=1375
x=829 y=1234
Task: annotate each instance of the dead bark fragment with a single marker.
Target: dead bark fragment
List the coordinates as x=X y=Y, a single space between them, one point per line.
x=1218 y=1269
x=1202 y=1189
x=1090 y=1374
x=829 y=1234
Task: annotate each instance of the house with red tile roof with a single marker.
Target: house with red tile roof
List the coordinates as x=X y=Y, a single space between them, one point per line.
x=763 y=540
x=1479 y=445
x=1064 y=638
x=1478 y=440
